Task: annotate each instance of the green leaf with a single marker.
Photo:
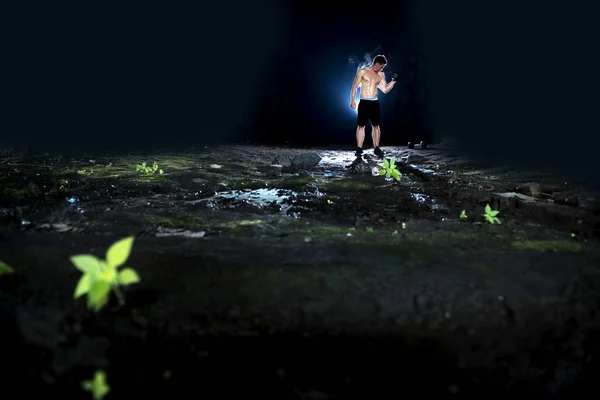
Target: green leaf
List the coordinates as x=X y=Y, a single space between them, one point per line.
x=83 y=286
x=494 y=213
x=487 y=209
x=119 y=252
x=5 y=268
x=393 y=162
x=388 y=174
x=97 y=386
x=396 y=174
x=86 y=263
x=98 y=295
x=382 y=172
x=127 y=276
x=385 y=163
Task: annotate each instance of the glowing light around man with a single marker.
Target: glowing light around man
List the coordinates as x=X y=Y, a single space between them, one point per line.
x=367 y=61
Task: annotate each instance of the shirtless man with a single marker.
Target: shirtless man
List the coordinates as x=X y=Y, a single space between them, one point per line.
x=369 y=79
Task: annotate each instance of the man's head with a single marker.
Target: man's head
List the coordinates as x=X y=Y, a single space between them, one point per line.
x=379 y=62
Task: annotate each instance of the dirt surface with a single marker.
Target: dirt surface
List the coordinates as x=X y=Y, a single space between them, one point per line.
x=300 y=274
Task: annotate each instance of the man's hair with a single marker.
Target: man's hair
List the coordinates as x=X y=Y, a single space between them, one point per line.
x=380 y=59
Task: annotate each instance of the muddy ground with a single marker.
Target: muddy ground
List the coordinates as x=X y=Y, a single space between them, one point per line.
x=300 y=274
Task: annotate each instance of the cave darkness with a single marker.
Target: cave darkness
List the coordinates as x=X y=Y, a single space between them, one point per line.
x=217 y=140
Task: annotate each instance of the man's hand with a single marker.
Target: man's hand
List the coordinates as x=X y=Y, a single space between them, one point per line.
x=353 y=105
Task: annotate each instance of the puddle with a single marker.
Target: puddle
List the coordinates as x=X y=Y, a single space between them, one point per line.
x=421 y=198
x=334 y=173
x=163 y=232
x=340 y=159
x=260 y=198
x=424 y=170
x=428 y=201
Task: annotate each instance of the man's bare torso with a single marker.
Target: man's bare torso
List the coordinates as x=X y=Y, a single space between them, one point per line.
x=369 y=83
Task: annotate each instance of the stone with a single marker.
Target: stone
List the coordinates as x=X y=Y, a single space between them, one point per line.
x=283 y=160
x=307 y=160
x=530 y=189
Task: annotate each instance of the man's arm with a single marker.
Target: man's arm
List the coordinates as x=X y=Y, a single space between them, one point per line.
x=384 y=86
x=355 y=84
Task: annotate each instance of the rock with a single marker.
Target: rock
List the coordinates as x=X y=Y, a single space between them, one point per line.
x=513 y=195
x=40 y=326
x=360 y=166
x=34 y=189
x=307 y=160
x=283 y=160
x=87 y=352
x=566 y=199
x=530 y=189
x=413 y=158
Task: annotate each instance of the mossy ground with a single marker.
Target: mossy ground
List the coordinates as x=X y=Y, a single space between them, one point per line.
x=283 y=248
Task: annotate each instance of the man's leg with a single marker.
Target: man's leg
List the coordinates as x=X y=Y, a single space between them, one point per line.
x=362 y=118
x=376 y=134
x=360 y=139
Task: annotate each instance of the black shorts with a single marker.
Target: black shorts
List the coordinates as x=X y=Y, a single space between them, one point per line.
x=368 y=110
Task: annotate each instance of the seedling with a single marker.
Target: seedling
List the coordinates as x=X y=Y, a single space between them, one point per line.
x=389 y=169
x=147 y=170
x=97 y=386
x=463 y=215
x=490 y=215
x=5 y=269
x=100 y=276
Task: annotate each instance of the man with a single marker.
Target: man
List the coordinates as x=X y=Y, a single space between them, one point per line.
x=369 y=79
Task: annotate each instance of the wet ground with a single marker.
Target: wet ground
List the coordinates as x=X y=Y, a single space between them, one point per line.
x=301 y=274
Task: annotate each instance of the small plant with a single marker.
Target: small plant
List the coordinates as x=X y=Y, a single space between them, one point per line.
x=97 y=386
x=147 y=170
x=5 y=269
x=100 y=276
x=463 y=215
x=370 y=229
x=490 y=215
x=389 y=169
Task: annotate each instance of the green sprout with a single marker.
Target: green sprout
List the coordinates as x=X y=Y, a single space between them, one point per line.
x=370 y=229
x=5 y=269
x=463 y=215
x=97 y=386
x=389 y=169
x=100 y=276
x=490 y=215
x=147 y=170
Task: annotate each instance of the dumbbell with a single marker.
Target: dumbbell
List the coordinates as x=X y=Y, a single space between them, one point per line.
x=394 y=76
x=421 y=145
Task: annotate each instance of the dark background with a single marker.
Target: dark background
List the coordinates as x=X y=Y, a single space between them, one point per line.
x=509 y=82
